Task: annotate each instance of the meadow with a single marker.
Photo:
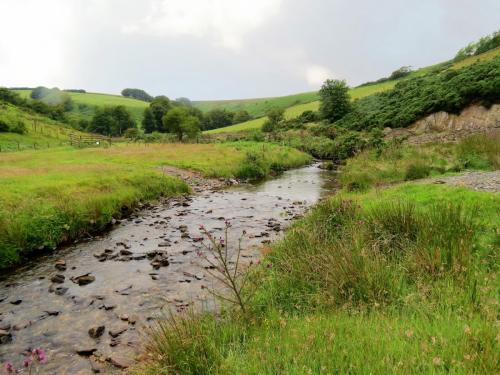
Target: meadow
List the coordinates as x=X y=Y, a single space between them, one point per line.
x=51 y=196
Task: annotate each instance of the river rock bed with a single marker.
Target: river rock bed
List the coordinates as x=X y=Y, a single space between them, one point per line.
x=87 y=304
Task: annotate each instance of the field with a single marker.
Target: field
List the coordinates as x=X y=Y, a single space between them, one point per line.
x=85 y=104
x=41 y=132
x=51 y=195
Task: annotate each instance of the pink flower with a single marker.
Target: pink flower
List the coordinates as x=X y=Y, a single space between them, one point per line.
x=9 y=367
x=26 y=362
x=40 y=355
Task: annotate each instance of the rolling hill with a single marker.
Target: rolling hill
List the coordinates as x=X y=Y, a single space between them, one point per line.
x=356 y=93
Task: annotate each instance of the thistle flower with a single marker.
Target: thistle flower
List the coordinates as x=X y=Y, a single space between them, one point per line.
x=9 y=367
x=26 y=362
x=40 y=355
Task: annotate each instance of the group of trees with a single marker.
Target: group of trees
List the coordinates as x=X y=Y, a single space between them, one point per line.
x=112 y=121
x=137 y=94
x=484 y=44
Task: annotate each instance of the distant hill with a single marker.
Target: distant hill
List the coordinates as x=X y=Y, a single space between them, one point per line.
x=356 y=93
x=86 y=103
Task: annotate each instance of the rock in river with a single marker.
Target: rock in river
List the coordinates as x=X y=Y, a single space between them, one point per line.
x=58 y=278
x=5 y=337
x=96 y=332
x=83 y=279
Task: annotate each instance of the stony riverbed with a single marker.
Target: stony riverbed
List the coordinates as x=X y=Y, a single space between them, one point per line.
x=87 y=304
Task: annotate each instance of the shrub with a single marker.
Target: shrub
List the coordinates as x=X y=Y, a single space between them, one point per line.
x=254 y=168
x=4 y=127
x=416 y=171
x=19 y=128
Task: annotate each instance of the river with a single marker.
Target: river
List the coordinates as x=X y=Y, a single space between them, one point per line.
x=41 y=306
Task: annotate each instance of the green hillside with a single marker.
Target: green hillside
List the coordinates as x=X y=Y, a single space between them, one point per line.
x=85 y=103
x=41 y=132
x=356 y=93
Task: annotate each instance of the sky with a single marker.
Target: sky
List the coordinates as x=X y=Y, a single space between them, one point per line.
x=228 y=49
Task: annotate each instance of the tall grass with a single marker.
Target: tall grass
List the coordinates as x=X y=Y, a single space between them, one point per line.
x=403 y=281
x=400 y=162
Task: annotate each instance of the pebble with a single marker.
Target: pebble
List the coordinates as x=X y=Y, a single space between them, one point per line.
x=96 y=332
x=58 y=279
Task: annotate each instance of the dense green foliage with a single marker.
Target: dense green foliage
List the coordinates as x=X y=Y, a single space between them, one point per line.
x=415 y=98
x=111 y=121
x=217 y=118
x=137 y=94
x=334 y=100
x=483 y=45
x=178 y=121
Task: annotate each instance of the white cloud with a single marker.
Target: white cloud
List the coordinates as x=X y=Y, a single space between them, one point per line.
x=33 y=43
x=317 y=74
x=224 y=22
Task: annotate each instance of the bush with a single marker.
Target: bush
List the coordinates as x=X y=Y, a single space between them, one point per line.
x=417 y=171
x=19 y=128
x=254 y=168
x=4 y=127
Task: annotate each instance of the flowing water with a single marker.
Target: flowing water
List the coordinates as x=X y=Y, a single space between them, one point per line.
x=41 y=306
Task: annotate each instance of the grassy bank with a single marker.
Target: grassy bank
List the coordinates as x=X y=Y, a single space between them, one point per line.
x=49 y=196
x=401 y=162
x=402 y=280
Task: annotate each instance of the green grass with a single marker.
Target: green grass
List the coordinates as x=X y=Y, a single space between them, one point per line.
x=41 y=132
x=400 y=162
x=86 y=103
x=402 y=280
x=53 y=195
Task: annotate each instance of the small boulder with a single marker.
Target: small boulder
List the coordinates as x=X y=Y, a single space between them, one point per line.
x=96 y=332
x=58 y=278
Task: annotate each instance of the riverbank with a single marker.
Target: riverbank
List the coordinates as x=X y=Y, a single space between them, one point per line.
x=52 y=196
x=399 y=280
x=148 y=265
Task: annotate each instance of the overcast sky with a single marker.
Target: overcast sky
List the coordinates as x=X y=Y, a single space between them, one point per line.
x=222 y=49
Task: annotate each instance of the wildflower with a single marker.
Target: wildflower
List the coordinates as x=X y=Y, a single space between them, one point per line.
x=409 y=333
x=202 y=227
x=26 y=362
x=39 y=354
x=467 y=329
x=269 y=265
x=9 y=367
x=199 y=253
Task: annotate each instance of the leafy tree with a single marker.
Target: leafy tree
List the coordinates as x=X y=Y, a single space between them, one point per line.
x=39 y=92
x=275 y=115
x=241 y=116
x=334 y=100
x=484 y=44
x=401 y=72
x=137 y=94
x=112 y=121
x=123 y=120
x=268 y=127
x=179 y=122
x=131 y=133
x=160 y=106
x=217 y=118
x=4 y=127
x=148 y=121
x=184 y=101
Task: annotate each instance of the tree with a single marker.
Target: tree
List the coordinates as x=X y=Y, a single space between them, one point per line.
x=184 y=101
x=160 y=106
x=275 y=115
x=148 y=121
x=39 y=92
x=123 y=120
x=241 y=116
x=112 y=121
x=137 y=94
x=179 y=122
x=401 y=72
x=334 y=100
x=217 y=118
